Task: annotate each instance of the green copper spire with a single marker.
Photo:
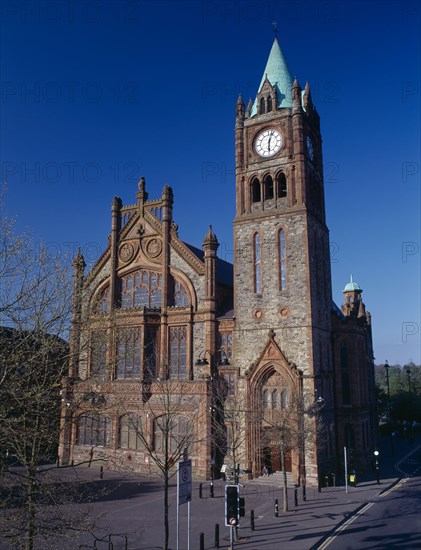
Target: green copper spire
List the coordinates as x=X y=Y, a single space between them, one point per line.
x=279 y=75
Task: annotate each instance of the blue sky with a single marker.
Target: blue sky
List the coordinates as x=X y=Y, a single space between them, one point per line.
x=96 y=94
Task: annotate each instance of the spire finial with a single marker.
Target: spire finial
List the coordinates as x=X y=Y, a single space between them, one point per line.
x=350 y=278
x=275 y=28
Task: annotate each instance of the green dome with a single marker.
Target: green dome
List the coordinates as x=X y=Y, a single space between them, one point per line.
x=352 y=286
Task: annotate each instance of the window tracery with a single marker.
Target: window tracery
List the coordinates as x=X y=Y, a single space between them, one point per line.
x=141 y=289
x=93 y=430
x=178 y=352
x=129 y=429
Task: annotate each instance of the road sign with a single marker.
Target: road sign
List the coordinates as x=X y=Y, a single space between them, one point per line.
x=184 y=482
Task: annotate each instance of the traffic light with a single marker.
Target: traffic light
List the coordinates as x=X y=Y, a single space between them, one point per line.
x=231 y=505
x=242 y=508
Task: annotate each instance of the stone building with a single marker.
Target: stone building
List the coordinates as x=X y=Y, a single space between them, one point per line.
x=154 y=308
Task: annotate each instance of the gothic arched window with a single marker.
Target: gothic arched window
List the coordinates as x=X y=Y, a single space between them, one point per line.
x=93 y=430
x=129 y=351
x=268 y=185
x=282 y=256
x=175 y=431
x=98 y=355
x=151 y=353
x=269 y=104
x=284 y=399
x=255 y=190
x=141 y=289
x=345 y=378
x=180 y=295
x=178 y=352
x=129 y=429
x=257 y=263
x=275 y=399
x=281 y=185
x=266 y=399
x=103 y=301
x=262 y=106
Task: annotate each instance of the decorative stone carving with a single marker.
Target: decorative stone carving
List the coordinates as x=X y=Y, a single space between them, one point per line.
x=284 y=312
x=258 y=314
x=126 y=252
x=153 y=247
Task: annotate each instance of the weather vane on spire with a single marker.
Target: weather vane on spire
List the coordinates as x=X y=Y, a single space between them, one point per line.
x=275 y=28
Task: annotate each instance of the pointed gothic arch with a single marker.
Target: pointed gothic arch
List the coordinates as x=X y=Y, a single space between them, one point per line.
x=256 y=194
x=268 y=187
x=271 y=383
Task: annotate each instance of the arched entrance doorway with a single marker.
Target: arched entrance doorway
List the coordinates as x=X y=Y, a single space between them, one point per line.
x=273 y=390
x=275 y=403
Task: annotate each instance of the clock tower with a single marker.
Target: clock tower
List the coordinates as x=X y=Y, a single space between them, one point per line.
x=282 y=282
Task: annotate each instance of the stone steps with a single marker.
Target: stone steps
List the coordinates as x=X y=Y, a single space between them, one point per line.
x=276 y=479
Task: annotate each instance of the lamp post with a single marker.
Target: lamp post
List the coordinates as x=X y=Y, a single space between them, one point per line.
x=386 y=366
x=408 y=374
x=377 y=465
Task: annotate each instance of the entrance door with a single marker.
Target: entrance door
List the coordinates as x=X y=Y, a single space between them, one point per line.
x=277 y=462
x=272 y=453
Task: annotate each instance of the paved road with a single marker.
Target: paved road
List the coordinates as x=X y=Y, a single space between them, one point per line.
x=391 y=520
x=133 y=505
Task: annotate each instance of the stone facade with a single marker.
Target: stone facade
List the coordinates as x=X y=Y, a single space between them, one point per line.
x=266 y=326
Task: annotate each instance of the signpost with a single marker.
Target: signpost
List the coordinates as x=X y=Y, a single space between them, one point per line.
x=184 y=484
x=184 y=493
x=346 y=470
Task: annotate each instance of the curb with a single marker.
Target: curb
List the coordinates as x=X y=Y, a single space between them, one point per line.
x=319 y=544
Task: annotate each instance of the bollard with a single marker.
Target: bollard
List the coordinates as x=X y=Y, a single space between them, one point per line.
x=295 y=497
x=202 y=541
x=319 y=486
x=276 y=508
x=304 y=493
x=211 y=493
x=101 y=472
x=216 y=535
x=200 y=490
x=252 y=520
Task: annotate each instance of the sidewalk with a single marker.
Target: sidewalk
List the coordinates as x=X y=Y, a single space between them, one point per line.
x=133 y=504
x=307 y=525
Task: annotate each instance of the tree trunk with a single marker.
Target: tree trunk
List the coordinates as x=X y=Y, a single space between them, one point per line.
x=284 y=479
x=166 y=524
x=30 y=531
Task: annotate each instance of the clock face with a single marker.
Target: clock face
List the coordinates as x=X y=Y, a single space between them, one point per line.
x=310 y=148
x=268 y=143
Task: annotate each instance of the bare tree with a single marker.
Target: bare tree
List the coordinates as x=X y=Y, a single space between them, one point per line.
x=165 y=424
x=231 y=419
x=35 y=303
x=295 y=424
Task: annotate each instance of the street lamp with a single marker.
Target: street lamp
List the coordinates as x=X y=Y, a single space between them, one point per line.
x=408 y=374
x=202 y=361
x=386 y=366
x=377 y=465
